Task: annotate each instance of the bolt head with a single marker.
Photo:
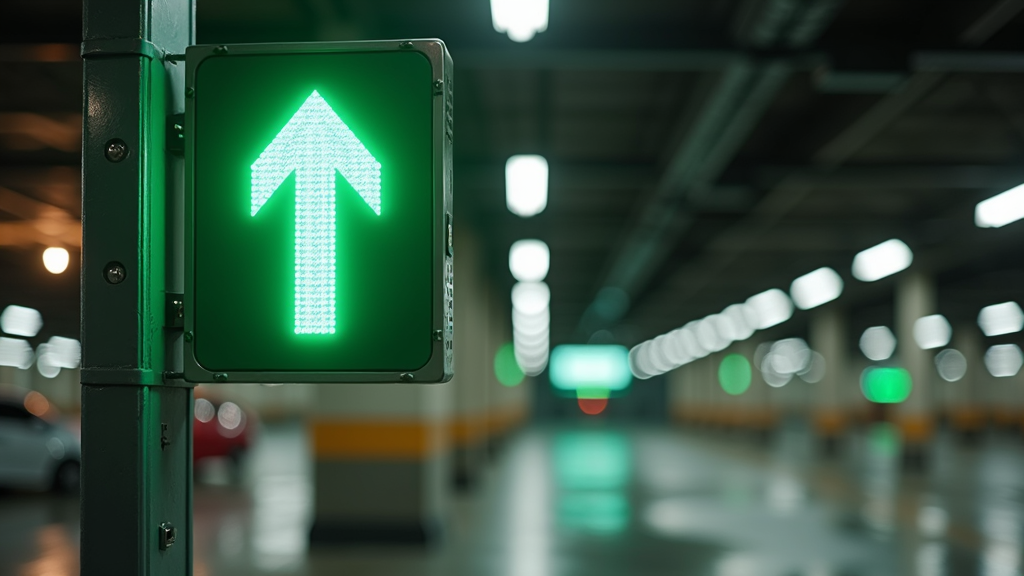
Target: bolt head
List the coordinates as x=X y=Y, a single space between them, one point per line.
x=116 y=150
x=406 y=377
x=220 y=377
x=189 y=336
x=114 y=273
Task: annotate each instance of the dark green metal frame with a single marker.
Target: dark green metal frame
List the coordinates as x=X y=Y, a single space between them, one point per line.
x=136 y=426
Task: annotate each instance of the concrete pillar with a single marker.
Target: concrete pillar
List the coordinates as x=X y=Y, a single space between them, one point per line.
x=915 y=298
x=469 y=423
x=831 y=410
x=965 y=398
x=381 y=462
x=508 y=406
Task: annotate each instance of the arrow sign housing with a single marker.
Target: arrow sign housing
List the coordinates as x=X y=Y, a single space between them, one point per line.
x=352 y=279
x=314 y=144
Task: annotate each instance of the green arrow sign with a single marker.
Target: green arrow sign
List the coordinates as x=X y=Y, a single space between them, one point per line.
x=314 y=143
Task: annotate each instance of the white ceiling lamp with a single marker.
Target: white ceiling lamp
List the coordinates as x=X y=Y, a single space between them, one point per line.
x=528 y=260
x=816 y=288
x=530 y=298
x=883 y=260
x=1004 y=360
x=770 y=308
x=878 y=343
x=932 y=331
x=526 y=184
x=999 y=319
x=21 y=321
x=520 y=19
x=56 y=260
x=1000 y=210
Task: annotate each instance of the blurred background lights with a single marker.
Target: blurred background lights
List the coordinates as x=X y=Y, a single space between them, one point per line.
x=16 y=353
x=1004 y=360
x=734 y=374
x=46 y=362
x=528 y=260
x=204 y=410
x=531 y=297
x=816 y=288
x=56 y=260
x=526 y=184
x=883 y=260
x=676 y=350
x=999 y=319
x=878 y=343
x=815 y=370
x=770 y=308
x=886 y=385
x=21 y=321
x=932 y=331
x=708 y=336
x=1001 y=209
x=951 y=365
x=231 y=418
x=520 y=19
x=576 y=367
x=739 y=317
x=782 y=360
x=67 y=352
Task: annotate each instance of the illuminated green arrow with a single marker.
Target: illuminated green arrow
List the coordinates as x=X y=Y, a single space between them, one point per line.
x=314 y=143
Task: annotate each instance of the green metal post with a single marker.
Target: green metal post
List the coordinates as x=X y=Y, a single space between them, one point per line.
x=136 y=418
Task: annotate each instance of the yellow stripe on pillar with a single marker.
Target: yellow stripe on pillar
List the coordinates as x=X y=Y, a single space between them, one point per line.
x=384 y=440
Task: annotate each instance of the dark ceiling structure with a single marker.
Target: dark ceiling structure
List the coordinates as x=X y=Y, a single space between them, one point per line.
x=700 y=151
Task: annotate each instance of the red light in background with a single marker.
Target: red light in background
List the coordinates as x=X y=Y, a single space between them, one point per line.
x=592 y=406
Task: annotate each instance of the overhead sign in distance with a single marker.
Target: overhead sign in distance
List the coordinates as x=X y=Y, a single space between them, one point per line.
x=318 y=212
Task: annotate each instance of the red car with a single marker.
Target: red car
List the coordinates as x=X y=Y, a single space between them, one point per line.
x=221 y=429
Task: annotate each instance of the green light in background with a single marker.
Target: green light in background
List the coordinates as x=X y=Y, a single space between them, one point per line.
x=590 y=367
x=734 y=374
x=886 y=385
x=313 y=144
x=506 y=369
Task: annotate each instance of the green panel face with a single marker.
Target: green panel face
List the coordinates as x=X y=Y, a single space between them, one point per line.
x=315 y=215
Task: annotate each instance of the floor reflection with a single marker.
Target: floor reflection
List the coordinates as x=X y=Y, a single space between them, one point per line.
x=605 y=501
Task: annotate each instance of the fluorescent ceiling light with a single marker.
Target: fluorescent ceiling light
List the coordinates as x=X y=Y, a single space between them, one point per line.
x=886 y=259
x=932 y=331
x=708 y=336
x=16 y=352
x=530 y=298
x=528 y=260
x=999 y=319
x=526 y=184
x=878 y=343
x=1001 y=209
x=816 y=288
x=740 y=318
x=531 y=322
x=1004 y=360
x=770 y=308
x=520 y=19
x=21 y=321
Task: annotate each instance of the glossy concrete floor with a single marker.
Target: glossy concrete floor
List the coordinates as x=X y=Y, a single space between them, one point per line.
x=600 y=500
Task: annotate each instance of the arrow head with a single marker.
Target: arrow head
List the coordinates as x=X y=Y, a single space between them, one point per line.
x=316 y=139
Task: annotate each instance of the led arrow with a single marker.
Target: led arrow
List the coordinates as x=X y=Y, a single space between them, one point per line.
x=314 y=143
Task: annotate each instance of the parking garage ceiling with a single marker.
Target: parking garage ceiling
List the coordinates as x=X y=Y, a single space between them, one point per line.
x=700 y=151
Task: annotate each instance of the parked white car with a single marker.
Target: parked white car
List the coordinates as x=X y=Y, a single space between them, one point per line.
x=36 y=453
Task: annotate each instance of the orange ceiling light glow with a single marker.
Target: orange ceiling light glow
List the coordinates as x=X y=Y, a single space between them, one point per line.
x=56 y=260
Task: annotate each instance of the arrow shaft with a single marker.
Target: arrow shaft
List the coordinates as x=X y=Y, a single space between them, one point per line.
x=315 y=258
